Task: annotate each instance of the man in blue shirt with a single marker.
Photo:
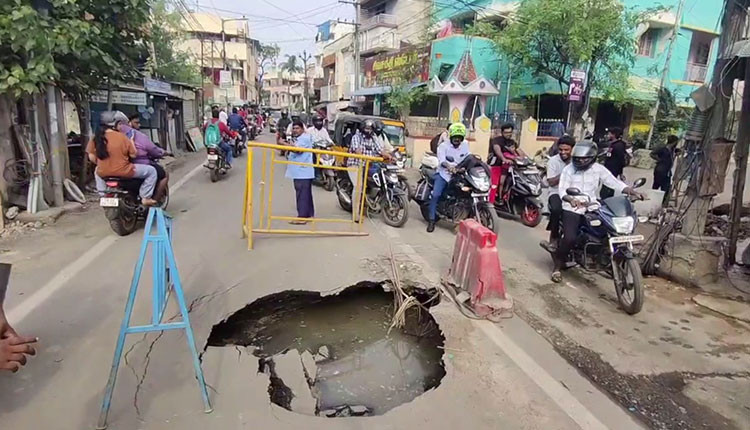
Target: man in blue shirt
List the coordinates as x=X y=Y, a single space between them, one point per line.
x=302 y=175
x=237 y=123
x=458 y=149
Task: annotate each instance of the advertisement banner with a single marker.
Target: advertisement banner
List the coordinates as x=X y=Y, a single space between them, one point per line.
x=225 y=79
x=120 y=98
x=405 y=66
x=577 y=85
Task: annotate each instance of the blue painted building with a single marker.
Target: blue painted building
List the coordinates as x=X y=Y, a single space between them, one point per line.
x=693 y=55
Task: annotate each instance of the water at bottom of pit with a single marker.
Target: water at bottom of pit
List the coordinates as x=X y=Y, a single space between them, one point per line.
x=332 y=355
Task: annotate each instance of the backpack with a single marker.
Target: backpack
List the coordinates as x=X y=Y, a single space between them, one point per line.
x=213 y=135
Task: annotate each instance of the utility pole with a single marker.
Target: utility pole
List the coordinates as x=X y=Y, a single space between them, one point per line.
x=55 y=144
x=357 y=9
x=203 y=79
x=740 y=171
x=665 y=71
x=305 y=58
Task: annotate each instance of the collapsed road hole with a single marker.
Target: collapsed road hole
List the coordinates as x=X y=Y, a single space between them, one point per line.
x=333 y=356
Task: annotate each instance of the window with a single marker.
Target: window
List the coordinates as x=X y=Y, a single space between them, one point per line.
x=646 y=43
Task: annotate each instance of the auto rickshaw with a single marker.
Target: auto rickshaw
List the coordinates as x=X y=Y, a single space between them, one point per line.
x=346 y=125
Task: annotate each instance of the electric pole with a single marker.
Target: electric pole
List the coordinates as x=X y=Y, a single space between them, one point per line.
x=665 y=71
x=357 y=9
x=305 y=58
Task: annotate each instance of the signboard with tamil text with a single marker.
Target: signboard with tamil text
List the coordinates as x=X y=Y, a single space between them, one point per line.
x=120 y=98
x=405 y=66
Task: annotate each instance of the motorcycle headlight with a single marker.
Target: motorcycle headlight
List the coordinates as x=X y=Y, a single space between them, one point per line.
x=392 y=178
x=623 y=225
x=481 y=182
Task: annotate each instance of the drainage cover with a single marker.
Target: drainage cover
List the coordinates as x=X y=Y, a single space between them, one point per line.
x=333 y=355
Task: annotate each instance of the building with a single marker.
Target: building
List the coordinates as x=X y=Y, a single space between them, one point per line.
x=285 y=91
x=235 y=53
x=390 y=25
x=693 y=54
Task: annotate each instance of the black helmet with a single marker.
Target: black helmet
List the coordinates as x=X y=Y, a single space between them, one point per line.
x=584 y=154
x=317 y=120
x=379 y=126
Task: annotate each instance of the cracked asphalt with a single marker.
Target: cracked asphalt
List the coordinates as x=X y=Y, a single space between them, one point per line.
x=568 y=359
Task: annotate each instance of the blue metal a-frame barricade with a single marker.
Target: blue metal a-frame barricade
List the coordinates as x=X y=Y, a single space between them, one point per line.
x=166 y=279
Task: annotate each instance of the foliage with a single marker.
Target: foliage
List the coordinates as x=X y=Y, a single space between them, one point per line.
x=670 y=119
x=267 y=55
x=291 y=65
x=552 y=37
x=76 y=44
x=170 y=62
x=401 y=97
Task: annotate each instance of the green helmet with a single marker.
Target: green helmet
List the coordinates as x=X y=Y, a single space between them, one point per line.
x=457 y=129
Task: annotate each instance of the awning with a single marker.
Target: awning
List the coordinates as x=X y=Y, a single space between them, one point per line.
x=385 y=89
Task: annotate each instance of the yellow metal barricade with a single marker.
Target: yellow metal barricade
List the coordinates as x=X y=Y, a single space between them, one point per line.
x=269 y=160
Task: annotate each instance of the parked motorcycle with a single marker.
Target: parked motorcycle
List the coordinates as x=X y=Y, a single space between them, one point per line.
x=521 y=191
x=122 y=204
x=605 y=244
x=384 y=195
x=324 y=177
x=216 y=162
x=467 y=195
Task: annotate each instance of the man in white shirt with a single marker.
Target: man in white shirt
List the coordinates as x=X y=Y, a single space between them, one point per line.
x=318 y=132
x=585 y=174
x=555 y=166
x=457 y=149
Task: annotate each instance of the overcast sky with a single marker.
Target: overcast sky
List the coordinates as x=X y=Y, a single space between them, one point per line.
x=293 y=26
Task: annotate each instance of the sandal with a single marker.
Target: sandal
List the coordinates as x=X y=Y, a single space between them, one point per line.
x=556 y=277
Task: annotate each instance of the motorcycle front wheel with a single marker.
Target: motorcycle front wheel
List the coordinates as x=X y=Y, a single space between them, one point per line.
x=531 y=216
x=329 y=184
x=396 y=210
x=487 y=216
x=628 y=285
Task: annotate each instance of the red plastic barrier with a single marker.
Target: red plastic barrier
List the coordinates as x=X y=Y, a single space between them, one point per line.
x=476 y=268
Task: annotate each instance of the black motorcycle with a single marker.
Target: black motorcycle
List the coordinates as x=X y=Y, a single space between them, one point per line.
x=122 y=204
x=384 y=193
x=239 y=143
x=605 y=244
x=324 y=177
x=216 y=162
x=520 y=194
x=466 y=196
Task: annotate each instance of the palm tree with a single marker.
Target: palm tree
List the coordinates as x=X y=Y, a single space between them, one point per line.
x=290 y=66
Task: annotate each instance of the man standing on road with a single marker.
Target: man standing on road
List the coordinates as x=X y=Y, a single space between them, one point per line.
x=456 y=149
x=587 y=175
x=664 y=157
x=555 y=168
x=302 y=175
x=13 y=348
x=616 y=158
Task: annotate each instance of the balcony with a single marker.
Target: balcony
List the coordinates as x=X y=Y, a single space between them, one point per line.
x=695 y=72
x=380 y=20
x=377 y=40
x=330 y=93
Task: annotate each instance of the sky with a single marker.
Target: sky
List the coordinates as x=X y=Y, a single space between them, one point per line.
x=293 y=23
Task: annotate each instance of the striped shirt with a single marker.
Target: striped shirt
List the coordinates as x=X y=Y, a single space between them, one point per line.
x=364 y=146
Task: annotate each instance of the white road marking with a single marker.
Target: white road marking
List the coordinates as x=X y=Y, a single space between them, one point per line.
x=554 y=390
x=23 y=309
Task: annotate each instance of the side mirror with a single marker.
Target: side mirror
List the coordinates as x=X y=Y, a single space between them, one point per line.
x=450 y=158
x=639 y=183
x=573 y=191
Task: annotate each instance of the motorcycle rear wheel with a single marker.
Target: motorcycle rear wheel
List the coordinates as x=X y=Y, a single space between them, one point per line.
x=214 y=175
x=629 y=285
x=123 y=225
x=395 y=211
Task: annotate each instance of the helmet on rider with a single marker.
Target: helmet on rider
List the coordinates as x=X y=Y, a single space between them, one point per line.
x=379 y=126
x=457 y=133
x=318 y=121
x=584 y=155
x=368 y=127
x=284 y=113
x=108 y=118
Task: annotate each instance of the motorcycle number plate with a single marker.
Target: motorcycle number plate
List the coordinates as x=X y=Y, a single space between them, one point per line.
x=213 y=157
x=626 y=239
x=109 y=202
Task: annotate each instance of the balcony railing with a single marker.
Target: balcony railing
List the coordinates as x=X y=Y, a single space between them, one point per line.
x=696 y=72
x=380 y=20
x=329 y=93
x=375 y=40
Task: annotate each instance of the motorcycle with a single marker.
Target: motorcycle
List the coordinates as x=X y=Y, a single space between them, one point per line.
x=239 y=143
x=324 y=177
x=467 y=194
x=521 y=191
x=216 y=162
x=384 y=194
x=122 y=204
x=605 y=244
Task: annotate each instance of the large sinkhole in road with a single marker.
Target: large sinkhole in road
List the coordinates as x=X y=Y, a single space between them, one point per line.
x=333 y=356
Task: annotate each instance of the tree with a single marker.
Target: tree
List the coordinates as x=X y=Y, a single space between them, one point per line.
x=290 y=66
x=170 y=62
x=267 y=55
x=402 y=96
x=553 y=37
